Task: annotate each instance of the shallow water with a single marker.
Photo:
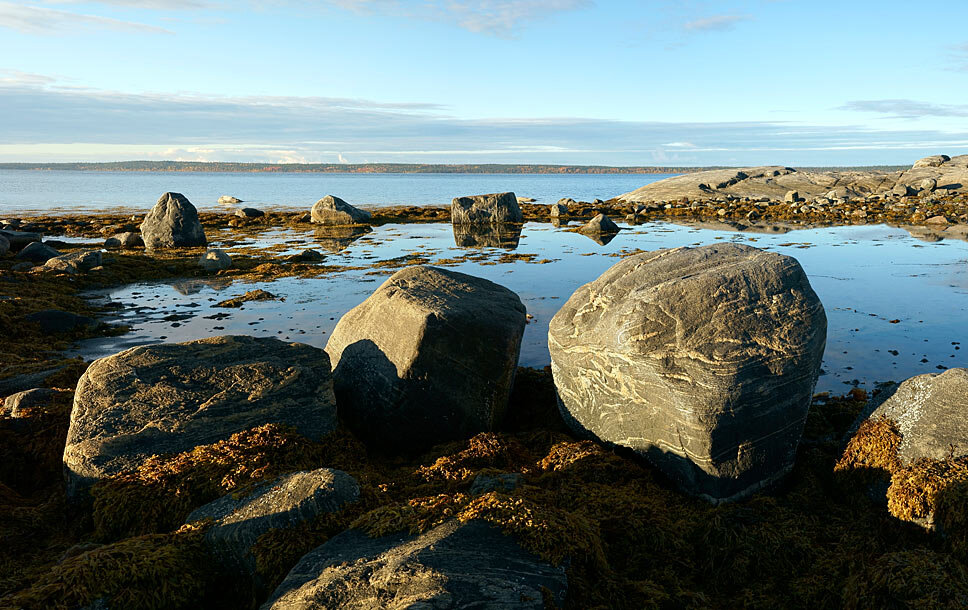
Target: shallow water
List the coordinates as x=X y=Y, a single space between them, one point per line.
x=895 y=305
x=24 y=191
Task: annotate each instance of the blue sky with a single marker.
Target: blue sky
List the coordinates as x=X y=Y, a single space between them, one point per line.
x=499 y=81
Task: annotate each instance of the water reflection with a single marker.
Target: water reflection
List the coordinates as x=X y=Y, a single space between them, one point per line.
x=337 y=239
x=196 y=285
x=490 y=235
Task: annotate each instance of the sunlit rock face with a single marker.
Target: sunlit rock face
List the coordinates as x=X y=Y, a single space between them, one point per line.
x=493 y=208
x=172 y=223
x=702 y=360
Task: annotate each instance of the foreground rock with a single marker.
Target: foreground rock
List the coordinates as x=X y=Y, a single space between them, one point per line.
x=470 y=565
x=170 y=398
x=332 y=210
x=703 y=360
x=173 y=223
x=495 y=208
x=429 y=357
x=775 y=182
x=237 y=522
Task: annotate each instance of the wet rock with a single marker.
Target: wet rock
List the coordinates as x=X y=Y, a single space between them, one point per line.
x=37 y=253
x=454 y=565
x=285 y=502
x=599 y=225
x=332 y=210
x=491 y=235
x=558 y=209
x=229 y=199
x=494 y=208
x=430 y=356
x=932 y=161
x=4 y=246
x=54 y=321
x=215 y=260
x=702 y=360
x=172 y=223
x=75 y=262
x=127 y=240
x=931 y=412
x=169 y=398
x=249 y=213
x=19 y=240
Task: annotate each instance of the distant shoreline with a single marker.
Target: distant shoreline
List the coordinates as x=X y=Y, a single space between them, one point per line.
x=376 y=168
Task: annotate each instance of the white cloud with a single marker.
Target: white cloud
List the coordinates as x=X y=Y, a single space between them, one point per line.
x=715 y=23
x=906 y=109
x=31 y=19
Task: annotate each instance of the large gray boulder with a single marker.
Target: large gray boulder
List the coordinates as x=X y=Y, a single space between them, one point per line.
x=331 y=210
x=285 y=502
x=931 y=412
x=493 y=208
x=429 y=357
x=599 y=224
x=170 y=398
x=702 y=360
x=454 y=565
x=172 y=223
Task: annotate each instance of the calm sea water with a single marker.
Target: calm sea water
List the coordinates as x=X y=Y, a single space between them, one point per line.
x=895 y=305
x=24 y=191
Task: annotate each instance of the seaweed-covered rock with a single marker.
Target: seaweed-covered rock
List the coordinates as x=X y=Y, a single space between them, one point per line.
x=454 y=565
x=331 y=210
x=172 y=223
x=703 y=360
x=493 y=208
x=429 y=356
x=931 y=413
x=37 y=252
x=169 y=398
x=215 y=260
x=298 y=497
x=75 y=262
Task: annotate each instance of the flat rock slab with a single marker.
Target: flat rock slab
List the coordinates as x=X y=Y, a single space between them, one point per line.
x=298 y=497
x=702 y=360
x=494 y=208
x=172 y=223
x=430 y=356
x=470 y=565
x=931 y=412
x=170 y=398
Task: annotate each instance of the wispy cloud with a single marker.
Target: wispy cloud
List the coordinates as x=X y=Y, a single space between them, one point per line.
x=165 y=5
x=906 y=109
x=715 y=23
x=502 y=18
x=32 y=19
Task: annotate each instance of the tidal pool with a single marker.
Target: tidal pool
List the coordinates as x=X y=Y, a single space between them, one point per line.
x=895 y=303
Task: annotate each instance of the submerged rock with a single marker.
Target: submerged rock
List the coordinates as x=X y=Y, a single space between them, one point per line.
x=331 y=210
x=494 y=208
x=454 y=565
x=172 y=223
x=702 y=360
x=430 y=356
x=169 y=398
x=285 y=502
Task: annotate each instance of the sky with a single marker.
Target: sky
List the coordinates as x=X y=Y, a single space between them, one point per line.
x=591 y=82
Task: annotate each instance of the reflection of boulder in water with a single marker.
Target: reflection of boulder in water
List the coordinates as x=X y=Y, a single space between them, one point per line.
x=338 y=238
x=936 y=233
x=559 y=222
x=774 y=228
x=196 y=285
x=488 y=235
x=601 y=239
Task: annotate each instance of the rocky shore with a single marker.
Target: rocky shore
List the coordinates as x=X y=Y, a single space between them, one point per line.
x=674 y=454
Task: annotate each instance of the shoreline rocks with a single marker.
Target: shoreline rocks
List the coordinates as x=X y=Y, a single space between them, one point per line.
x=702 y=360
x=496 y=208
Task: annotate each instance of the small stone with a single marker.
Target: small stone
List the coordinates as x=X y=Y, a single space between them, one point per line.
x=249 y=213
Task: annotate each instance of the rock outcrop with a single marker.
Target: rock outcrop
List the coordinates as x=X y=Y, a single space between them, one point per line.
x=172 y=223
x=55 y=321
x=285 y=502
x=702 y=360
x=454 y=565
x=331 y=210
x=494 y=208
x=430 y=356
x=169 y=398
